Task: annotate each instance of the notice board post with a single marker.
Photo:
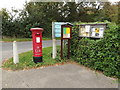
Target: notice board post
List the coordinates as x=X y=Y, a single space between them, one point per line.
x=54 y=41
x=66 y=33
x=56 y=32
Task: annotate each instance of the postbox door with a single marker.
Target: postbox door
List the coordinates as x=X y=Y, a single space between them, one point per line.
x=38 y=45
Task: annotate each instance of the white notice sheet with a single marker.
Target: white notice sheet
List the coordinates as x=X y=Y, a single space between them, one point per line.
x=87 y=28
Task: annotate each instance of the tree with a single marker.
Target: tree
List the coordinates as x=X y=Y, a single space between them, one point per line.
x=110 y=12
x=42 y=15
x=118 y=13
x=5 y=22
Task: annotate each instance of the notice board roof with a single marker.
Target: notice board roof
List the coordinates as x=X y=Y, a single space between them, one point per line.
x=93 y=24
x=68 y=24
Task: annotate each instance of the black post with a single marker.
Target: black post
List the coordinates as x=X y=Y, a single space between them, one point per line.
x=68 y=48
x=61 y=48
x=61 y=42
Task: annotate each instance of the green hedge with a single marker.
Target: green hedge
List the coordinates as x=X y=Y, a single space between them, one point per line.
x=99 y=54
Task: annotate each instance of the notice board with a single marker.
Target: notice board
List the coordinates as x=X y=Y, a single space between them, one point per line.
x=92 y=30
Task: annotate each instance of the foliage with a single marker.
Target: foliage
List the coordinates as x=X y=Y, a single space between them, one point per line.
x=65 y=49
x=118 y=13
x=110 y=12
x=99 y=54
x=41 y=14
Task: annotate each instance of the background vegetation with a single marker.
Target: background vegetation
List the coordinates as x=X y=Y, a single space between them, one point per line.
x=17 y=23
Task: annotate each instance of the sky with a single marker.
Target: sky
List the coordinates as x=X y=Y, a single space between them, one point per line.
x=19 y=4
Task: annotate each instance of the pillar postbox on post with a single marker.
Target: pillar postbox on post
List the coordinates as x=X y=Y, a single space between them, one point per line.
x=37 y=44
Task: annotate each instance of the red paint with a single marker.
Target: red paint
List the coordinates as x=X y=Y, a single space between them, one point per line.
x=36 y=37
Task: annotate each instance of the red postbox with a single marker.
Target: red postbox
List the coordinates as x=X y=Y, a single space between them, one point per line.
x=37 y=44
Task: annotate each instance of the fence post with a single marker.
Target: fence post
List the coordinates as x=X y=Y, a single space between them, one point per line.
x=15 y=53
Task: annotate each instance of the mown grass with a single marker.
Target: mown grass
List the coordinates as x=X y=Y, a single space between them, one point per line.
x=26 y=60
x=20 y=39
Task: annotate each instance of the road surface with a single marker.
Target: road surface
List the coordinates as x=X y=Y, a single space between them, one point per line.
x=7 y=47
x=63 y=76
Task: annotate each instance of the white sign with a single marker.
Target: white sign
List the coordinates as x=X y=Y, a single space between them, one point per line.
x=57 y=28
x=93 y=29
x=84 y=31
x=87 y=28
x=37 y=39
x=93 y=34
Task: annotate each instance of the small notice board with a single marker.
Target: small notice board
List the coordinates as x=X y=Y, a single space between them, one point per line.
x=66 y=31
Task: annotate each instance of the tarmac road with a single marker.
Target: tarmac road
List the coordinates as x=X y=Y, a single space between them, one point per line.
x=7 y=47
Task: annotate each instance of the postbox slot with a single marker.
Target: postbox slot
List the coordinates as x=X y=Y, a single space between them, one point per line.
x=37 y=34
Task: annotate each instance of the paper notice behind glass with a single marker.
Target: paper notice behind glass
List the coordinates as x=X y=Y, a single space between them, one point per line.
x=93 y=29
x=93 y=33
x=101 y=29
x=101 y=35
x=101 y=32
x=87 y=28
x=68 y=35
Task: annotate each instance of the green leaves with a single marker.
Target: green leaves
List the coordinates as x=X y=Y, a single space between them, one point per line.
x=102 y=54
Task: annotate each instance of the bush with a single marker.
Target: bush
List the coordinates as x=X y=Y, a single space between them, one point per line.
x=101 y=54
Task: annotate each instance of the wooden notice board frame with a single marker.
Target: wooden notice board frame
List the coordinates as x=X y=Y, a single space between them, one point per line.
x=62 y=38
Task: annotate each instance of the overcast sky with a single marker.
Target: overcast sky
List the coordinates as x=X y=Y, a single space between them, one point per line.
x=18 y=4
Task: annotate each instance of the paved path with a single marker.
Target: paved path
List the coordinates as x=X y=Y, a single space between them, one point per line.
x=63 y=76
x=7 y=49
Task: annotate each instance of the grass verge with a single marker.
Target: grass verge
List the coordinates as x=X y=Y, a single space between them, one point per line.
x=20 y=39
x=26 y=60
